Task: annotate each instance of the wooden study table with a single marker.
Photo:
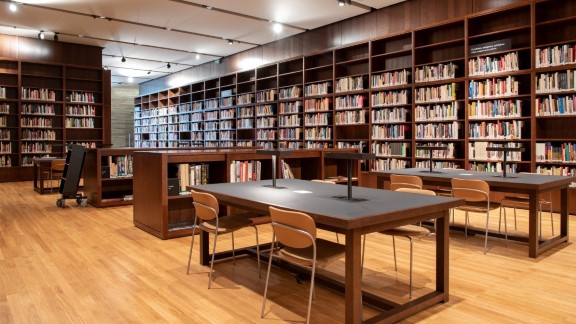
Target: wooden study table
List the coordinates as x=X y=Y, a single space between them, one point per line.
x=42 y=165
x=523 y=183
x=378 y=210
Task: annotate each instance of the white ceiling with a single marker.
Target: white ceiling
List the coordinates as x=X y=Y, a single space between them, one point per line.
x=152 y=33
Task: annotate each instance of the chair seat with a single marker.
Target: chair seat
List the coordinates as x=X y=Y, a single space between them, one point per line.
x=326 y=251
x=479 y=207
x=226 y=224
x=407 y=231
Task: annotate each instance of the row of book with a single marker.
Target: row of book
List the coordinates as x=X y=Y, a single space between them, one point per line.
x=393 y=115
x=244 y=171
x=81 y=110
x=556 y=106
x=350 y=84
x=350 y=117
x=3 y=121
x=398 y=149
x=266 y=134
x=2 y=93
x=35 y=122
x=38 y=94
x=318 y=89
x=437 y=164
x=4 y=108
x=350 y=101
x=477 y=151
x=556 y=152
x=444 y=92
x=245 y=98
x=37 y=109
x=266 y=122
x=267 y=95
x=4 y=134
x=291 y=134
x=492 y=167
x=490 y=88
x=390 y=79
x=290 y=121
x=495 y=109
x=496 y=130
x=441 y=71
x=290 y=92
x=44 y=135
x=120 y=166
x=483 y=65
x=5 y=161
x=556 y=81
x=292 y=107
x=318 y=133
x=390 y=98
x=389 y=164
x=80 y=122
x=446 y=111
x=555 y=55
x=5 y=147
x=226 y=102
x=383 y=132
x=318 y=119
x=192 y=175
x=36 y=148
x=82 y=97
x=448 y=153
x=318 y=104
x=438 y=131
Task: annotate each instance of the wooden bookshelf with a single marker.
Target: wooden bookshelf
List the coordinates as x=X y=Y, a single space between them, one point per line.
x=46 y=106
x=167 y=212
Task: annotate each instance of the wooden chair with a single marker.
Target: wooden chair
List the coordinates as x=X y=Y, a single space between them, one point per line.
x=408 y=231
x=56 y=170
x=525 y=200
x=207 y=210
x=328 y=182
x=398 y=181
x=476 y=193
x=296 y=232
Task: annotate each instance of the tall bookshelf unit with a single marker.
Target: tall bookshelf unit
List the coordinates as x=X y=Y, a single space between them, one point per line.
x=502 y=77
x=46 y=106
x=555 y=87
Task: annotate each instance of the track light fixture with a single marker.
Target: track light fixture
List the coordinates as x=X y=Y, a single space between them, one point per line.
x=41 y=35
x=168 y=65
x=149 y=72
x=13 y=7
x=230 y=42
x=123 y=59
x=55 y=37
x=342 y=3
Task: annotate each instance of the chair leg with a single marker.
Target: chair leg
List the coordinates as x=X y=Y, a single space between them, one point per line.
x=233 y=250
x=267 y=277
x=214 y=254
x=362 y=260
x=191 y=245
x=258 y=252
x=486 y=237
x=394 y=248
x=411 y=257
x=515 y=224
x=466 y=224
x=311 y=290
x=337 y=238
x=505 y=228
x=551 y=215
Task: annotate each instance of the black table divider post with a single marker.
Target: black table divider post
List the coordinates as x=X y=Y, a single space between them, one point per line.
x=430 y=149
x=349 y=156
x=275 y=153
x=505 y=151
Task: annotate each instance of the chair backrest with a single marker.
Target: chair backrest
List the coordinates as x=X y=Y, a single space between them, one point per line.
x=470 y=190
x=417 y=191
x=405 y=181
x=57 y=165
x=289 y=228
x=205 y=204
x=323 y=181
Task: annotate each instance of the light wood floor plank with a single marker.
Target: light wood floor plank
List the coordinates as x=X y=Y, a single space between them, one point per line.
x=88 y=265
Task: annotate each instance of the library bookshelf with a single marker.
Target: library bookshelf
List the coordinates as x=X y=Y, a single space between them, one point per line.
x=46 y=106
x=162 y=202
x=502 y=77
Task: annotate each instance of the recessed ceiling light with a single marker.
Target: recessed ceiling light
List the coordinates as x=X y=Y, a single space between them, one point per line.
x=130 y=79
x=208 y=7
x=341 y=3
x=277 y=27
x=197 y=56
x=13 y=7
x=41 y=34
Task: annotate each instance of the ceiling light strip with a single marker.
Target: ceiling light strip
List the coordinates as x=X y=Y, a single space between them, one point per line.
x=142 y=59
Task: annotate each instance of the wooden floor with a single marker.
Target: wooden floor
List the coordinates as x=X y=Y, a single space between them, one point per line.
x=88 y=265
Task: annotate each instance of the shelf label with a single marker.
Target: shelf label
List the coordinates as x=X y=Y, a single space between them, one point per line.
x=491 y=47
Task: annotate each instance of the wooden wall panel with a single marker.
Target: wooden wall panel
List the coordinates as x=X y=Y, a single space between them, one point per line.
x=8 y=47
x=404 y=16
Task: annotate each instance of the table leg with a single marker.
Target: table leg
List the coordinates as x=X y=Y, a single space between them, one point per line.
x=442 y=254
x=533 y=228
x=204 y=248
x=353 y=277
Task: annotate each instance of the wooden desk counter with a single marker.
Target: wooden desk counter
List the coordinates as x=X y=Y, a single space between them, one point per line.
x=525 y=183
x=381 y=209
